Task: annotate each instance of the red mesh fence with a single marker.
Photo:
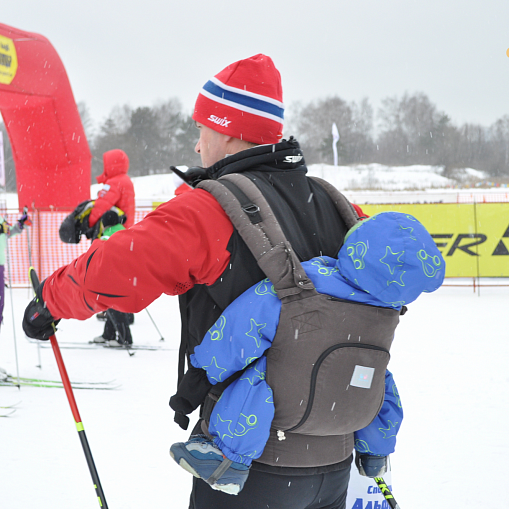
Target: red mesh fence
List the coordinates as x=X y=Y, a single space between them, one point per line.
x=40 y=246
x=483 y=197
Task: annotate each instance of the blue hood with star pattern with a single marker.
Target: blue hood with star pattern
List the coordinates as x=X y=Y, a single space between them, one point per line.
x=392 y=257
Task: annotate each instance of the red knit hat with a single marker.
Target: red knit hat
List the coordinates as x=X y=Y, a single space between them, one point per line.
x=245 y=100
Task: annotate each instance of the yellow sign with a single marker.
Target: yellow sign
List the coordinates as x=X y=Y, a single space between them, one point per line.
x=473 y=238
x=8 y=60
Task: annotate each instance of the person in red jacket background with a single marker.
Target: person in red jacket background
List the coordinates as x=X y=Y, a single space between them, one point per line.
x=118 y=189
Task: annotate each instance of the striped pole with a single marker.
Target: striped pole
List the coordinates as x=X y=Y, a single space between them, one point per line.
x=74 y=408
x=386 y=492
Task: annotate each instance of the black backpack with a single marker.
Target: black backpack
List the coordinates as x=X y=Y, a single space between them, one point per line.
x=76 y=223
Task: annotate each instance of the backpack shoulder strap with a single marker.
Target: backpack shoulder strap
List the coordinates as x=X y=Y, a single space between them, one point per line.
x=256 y=223
x=344 y=207
x=253 y=218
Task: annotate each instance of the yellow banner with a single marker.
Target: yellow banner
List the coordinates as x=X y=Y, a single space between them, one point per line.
x=473 y=238
x=8 y=60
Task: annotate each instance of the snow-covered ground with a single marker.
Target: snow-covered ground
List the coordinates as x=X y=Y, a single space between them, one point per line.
x=449 y=361
x=372 y=183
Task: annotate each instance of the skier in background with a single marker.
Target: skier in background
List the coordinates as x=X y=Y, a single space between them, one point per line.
x=6 y=232
x=118 y=191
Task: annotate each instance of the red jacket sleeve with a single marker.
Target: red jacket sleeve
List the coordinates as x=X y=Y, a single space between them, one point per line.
x=359 y=211
x=180 y=244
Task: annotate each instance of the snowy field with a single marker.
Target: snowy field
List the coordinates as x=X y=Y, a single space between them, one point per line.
x=361 y=184
x=449 y=360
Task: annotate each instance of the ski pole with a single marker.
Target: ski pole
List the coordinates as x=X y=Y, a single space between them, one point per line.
x=109 y=314
x=25 y=211
x=386 y=492
x=74 y=408
x=12 y=308
x=162 y=339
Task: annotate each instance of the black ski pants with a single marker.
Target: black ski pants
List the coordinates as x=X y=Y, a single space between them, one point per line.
x=263 y=490
x=117 y=321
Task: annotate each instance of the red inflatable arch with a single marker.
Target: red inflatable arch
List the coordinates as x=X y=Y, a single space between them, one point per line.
x=49 y=146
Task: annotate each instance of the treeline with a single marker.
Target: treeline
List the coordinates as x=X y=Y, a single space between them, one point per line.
x=403 y=131
x=153 y=138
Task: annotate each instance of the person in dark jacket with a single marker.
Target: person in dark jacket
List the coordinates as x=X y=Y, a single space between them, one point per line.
x=386 y=261
x=202 y=258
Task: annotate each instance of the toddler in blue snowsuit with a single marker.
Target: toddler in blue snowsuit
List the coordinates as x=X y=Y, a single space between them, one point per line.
x=387 y=260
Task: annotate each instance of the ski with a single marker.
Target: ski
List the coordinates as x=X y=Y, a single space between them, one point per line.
x=4 y=376
x=10 y=406
x=6 y=413
x=13 y=382
x=123 y=347
x=91 y=346
x=24 y=379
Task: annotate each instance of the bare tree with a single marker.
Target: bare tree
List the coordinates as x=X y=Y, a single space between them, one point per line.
x=411 y=130
x=313 y=128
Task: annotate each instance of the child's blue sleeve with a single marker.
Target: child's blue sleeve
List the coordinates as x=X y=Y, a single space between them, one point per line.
x=240 y=421
x=241 y=334
x=379 y=437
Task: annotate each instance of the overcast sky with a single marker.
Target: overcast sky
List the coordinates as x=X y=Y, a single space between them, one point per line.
x=138 y=52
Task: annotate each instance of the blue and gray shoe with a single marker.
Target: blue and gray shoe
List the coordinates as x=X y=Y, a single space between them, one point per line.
x=204 y=460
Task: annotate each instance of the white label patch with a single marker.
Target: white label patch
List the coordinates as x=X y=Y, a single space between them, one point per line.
x=293 y=159
x=362 y=377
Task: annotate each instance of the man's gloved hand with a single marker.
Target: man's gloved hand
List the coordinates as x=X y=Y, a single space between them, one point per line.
x=37 y=321
x=371 y=466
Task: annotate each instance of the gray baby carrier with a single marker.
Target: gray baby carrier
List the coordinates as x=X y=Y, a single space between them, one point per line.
x=327 y=363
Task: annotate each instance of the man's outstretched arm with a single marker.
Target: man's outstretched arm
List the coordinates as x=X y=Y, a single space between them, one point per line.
x=180 y=244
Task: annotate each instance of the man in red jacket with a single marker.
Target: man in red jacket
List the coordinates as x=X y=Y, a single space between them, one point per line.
x=188 y=247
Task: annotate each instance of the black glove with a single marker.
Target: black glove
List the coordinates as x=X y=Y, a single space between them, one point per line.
x=192 y=391
x=371 y=466
x=24 y=220
x=37 y=321
x=110 y=218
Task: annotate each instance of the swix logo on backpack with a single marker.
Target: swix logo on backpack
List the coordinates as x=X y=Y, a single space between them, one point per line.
x=219 y=121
